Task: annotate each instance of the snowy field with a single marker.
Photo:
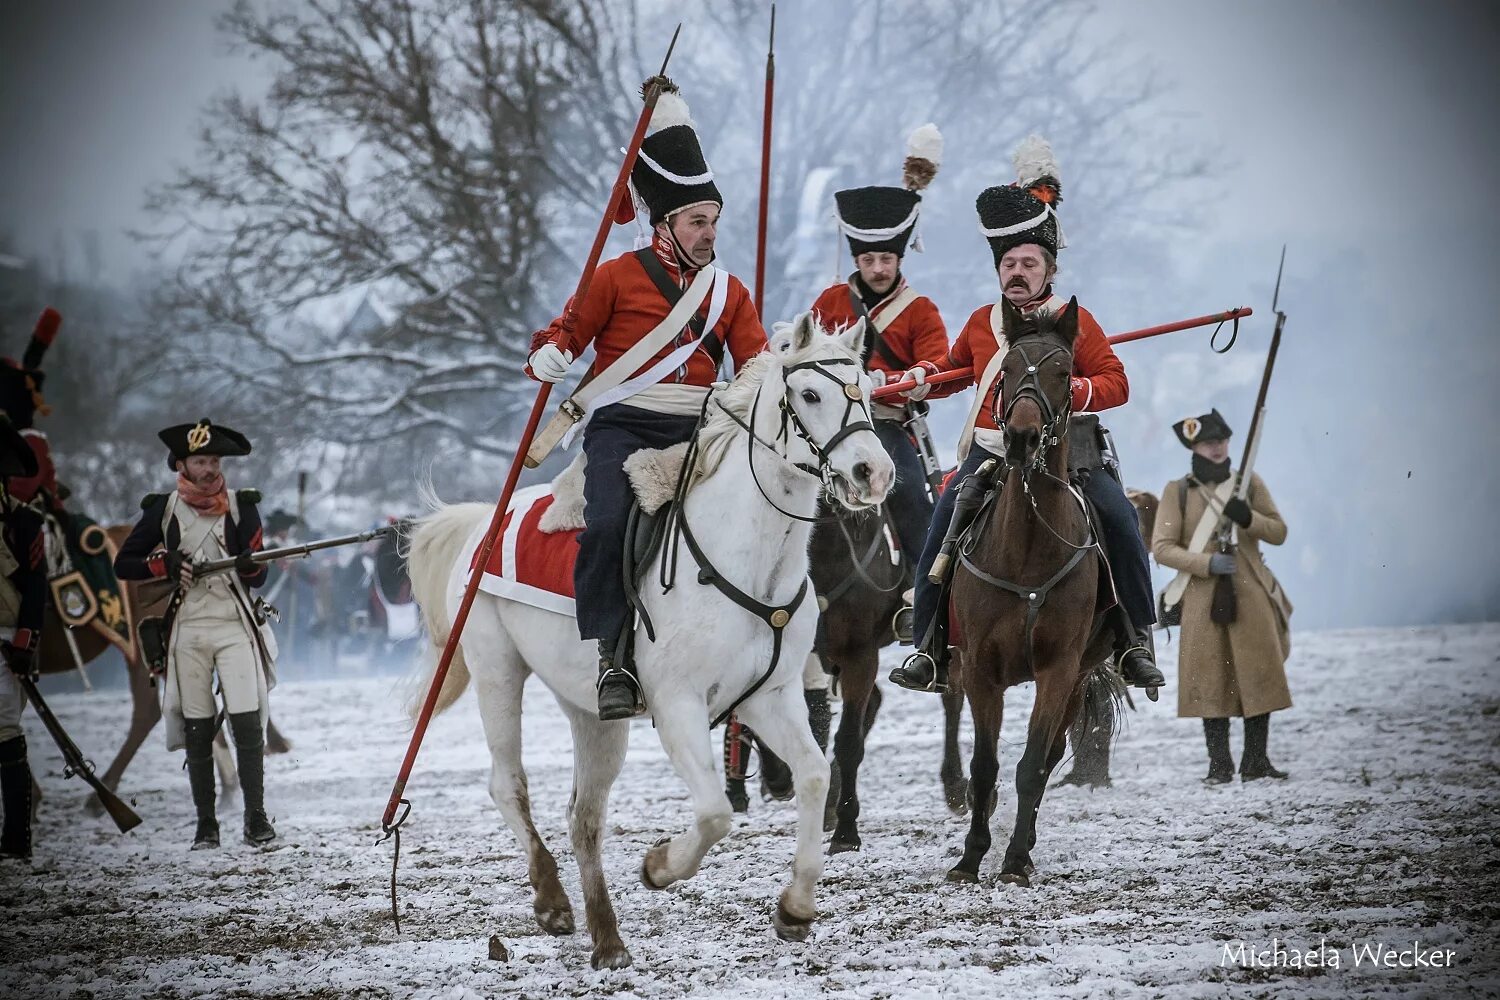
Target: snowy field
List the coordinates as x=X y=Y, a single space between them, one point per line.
x=1385 y=835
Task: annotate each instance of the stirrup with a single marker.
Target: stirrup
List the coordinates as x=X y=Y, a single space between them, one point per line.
x=936 y=684
x=901 y=624
x=619 y=680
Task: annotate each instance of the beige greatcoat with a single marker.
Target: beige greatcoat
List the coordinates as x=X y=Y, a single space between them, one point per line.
x=1238 y=669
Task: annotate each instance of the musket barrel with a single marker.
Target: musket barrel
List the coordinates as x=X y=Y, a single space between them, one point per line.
x=290 y=551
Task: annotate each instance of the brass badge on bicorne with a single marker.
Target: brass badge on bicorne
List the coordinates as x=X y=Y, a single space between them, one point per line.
x=1190 y=428
x=199 y=436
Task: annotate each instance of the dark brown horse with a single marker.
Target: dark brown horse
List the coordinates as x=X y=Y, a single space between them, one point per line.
x=55 y=657
x=1026 y=590
x=853 y=573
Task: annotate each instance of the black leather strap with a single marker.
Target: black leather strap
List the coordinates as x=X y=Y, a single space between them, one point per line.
x=874 y=340
x=672 y=292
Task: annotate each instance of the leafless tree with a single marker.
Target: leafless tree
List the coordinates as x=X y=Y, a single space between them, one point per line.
x=449 y=158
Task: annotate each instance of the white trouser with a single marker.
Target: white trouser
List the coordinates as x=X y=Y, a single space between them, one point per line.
x=12 y=701
x=211 y=638
x=814 y=678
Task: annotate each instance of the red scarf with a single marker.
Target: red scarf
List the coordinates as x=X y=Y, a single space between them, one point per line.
x=212 y=500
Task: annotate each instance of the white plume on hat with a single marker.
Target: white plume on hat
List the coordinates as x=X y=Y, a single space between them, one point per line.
x=1034 y=160
x=924 y=154
x=670 y=110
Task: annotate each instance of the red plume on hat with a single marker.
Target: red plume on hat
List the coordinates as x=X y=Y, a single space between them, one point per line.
x=47 y=325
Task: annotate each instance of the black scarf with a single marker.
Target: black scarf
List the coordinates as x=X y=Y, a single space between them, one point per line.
x=1209 y=473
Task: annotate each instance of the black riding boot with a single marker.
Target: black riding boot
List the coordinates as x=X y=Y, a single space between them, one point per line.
x=819 y=715
x=1220 y=763
x=619 y=692
x=15 y=799
x=250 y=752
x=1254 y=763
x=1137 y=660
x=199 y=737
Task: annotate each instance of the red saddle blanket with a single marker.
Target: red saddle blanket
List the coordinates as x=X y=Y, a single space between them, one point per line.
x=527 y=564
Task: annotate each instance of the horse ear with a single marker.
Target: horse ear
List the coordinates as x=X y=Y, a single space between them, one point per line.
x=1067 y=323
x=796 y=336
x=1010 y=319
x=853 y=336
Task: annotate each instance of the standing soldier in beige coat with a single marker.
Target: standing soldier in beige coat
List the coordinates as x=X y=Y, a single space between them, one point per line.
x=1234 y=669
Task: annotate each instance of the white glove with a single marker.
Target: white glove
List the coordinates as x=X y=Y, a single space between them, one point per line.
x=550 y=363
x=878 y=378
x=918 y=392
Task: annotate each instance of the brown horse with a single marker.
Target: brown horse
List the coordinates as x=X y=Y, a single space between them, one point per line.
x=55 y=657
x=1026 y=590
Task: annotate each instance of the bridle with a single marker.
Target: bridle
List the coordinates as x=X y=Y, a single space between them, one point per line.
x=791 y=423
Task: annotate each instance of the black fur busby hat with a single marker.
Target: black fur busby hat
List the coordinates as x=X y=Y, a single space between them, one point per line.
x=670 y=172
x=883 y=219
x=1207 y=427
x=21 y=382
x=1011 y=215
x=16 y=456
x=203 y=438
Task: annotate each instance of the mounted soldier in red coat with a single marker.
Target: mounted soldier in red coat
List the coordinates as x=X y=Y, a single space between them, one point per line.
x=904 y=333
x=1020 y=222
x=661 y=319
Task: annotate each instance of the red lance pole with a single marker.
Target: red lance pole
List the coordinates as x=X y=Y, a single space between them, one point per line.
x=388 y=821
x=765 y=172
x=895 y=388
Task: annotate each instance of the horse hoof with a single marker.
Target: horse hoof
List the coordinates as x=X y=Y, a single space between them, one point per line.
x=557 y=921
x=840 y=845
x=958 y=801
x=1016 y=878
x=789 y=926
x=617 y=957
x=656 y=857
x=1151 y=694
x=965 y=877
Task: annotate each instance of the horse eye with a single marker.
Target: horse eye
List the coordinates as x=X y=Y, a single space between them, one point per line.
x=809 y=396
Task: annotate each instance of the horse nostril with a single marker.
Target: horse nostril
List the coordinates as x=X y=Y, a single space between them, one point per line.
x=862 y=473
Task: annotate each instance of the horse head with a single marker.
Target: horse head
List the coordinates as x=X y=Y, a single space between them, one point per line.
x=825 y=404
x=1036 y=380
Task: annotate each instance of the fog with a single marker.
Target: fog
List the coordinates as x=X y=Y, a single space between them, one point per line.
x=1361 y=135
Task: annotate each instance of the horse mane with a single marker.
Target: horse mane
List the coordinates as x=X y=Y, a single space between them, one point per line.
x=719 y=428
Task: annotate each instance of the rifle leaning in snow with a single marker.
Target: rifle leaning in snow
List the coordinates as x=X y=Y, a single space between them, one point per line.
x=124 y=817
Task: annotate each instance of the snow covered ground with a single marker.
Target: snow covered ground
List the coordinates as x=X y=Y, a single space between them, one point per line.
x=1386 y=834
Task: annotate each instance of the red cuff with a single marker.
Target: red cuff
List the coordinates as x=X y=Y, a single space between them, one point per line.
x=1083 y=393
x=156 y=562
x=24 y=639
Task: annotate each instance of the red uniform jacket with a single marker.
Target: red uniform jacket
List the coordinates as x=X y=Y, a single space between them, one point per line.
x=623 y=305
x=915 y=336
x=1099 y=381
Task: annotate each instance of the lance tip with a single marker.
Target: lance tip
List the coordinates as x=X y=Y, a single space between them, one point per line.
x=672 y=45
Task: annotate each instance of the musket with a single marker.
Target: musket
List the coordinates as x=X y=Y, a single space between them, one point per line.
x=124 y=817
x=765 y=170
x=388 y=822
x=210 y=567
x=896 y=388
x=1223 y=605
x=932 y=466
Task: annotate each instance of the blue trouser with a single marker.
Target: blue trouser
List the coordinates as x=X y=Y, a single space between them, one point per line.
x=613 y=435
x=924 y=603
x=907 y=501
x=1118 y=526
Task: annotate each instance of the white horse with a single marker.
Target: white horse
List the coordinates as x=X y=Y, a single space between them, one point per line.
x=748 y=508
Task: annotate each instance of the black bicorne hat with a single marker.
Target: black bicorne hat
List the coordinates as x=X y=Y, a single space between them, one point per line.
x=671 y=172
x=1207 y=427
x=16 y=456
x=202 y=438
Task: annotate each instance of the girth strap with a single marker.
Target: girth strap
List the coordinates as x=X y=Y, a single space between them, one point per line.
x=776 y=617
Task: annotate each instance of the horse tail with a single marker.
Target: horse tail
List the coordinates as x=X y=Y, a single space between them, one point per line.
x=434 y=548
x=1104 y=697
